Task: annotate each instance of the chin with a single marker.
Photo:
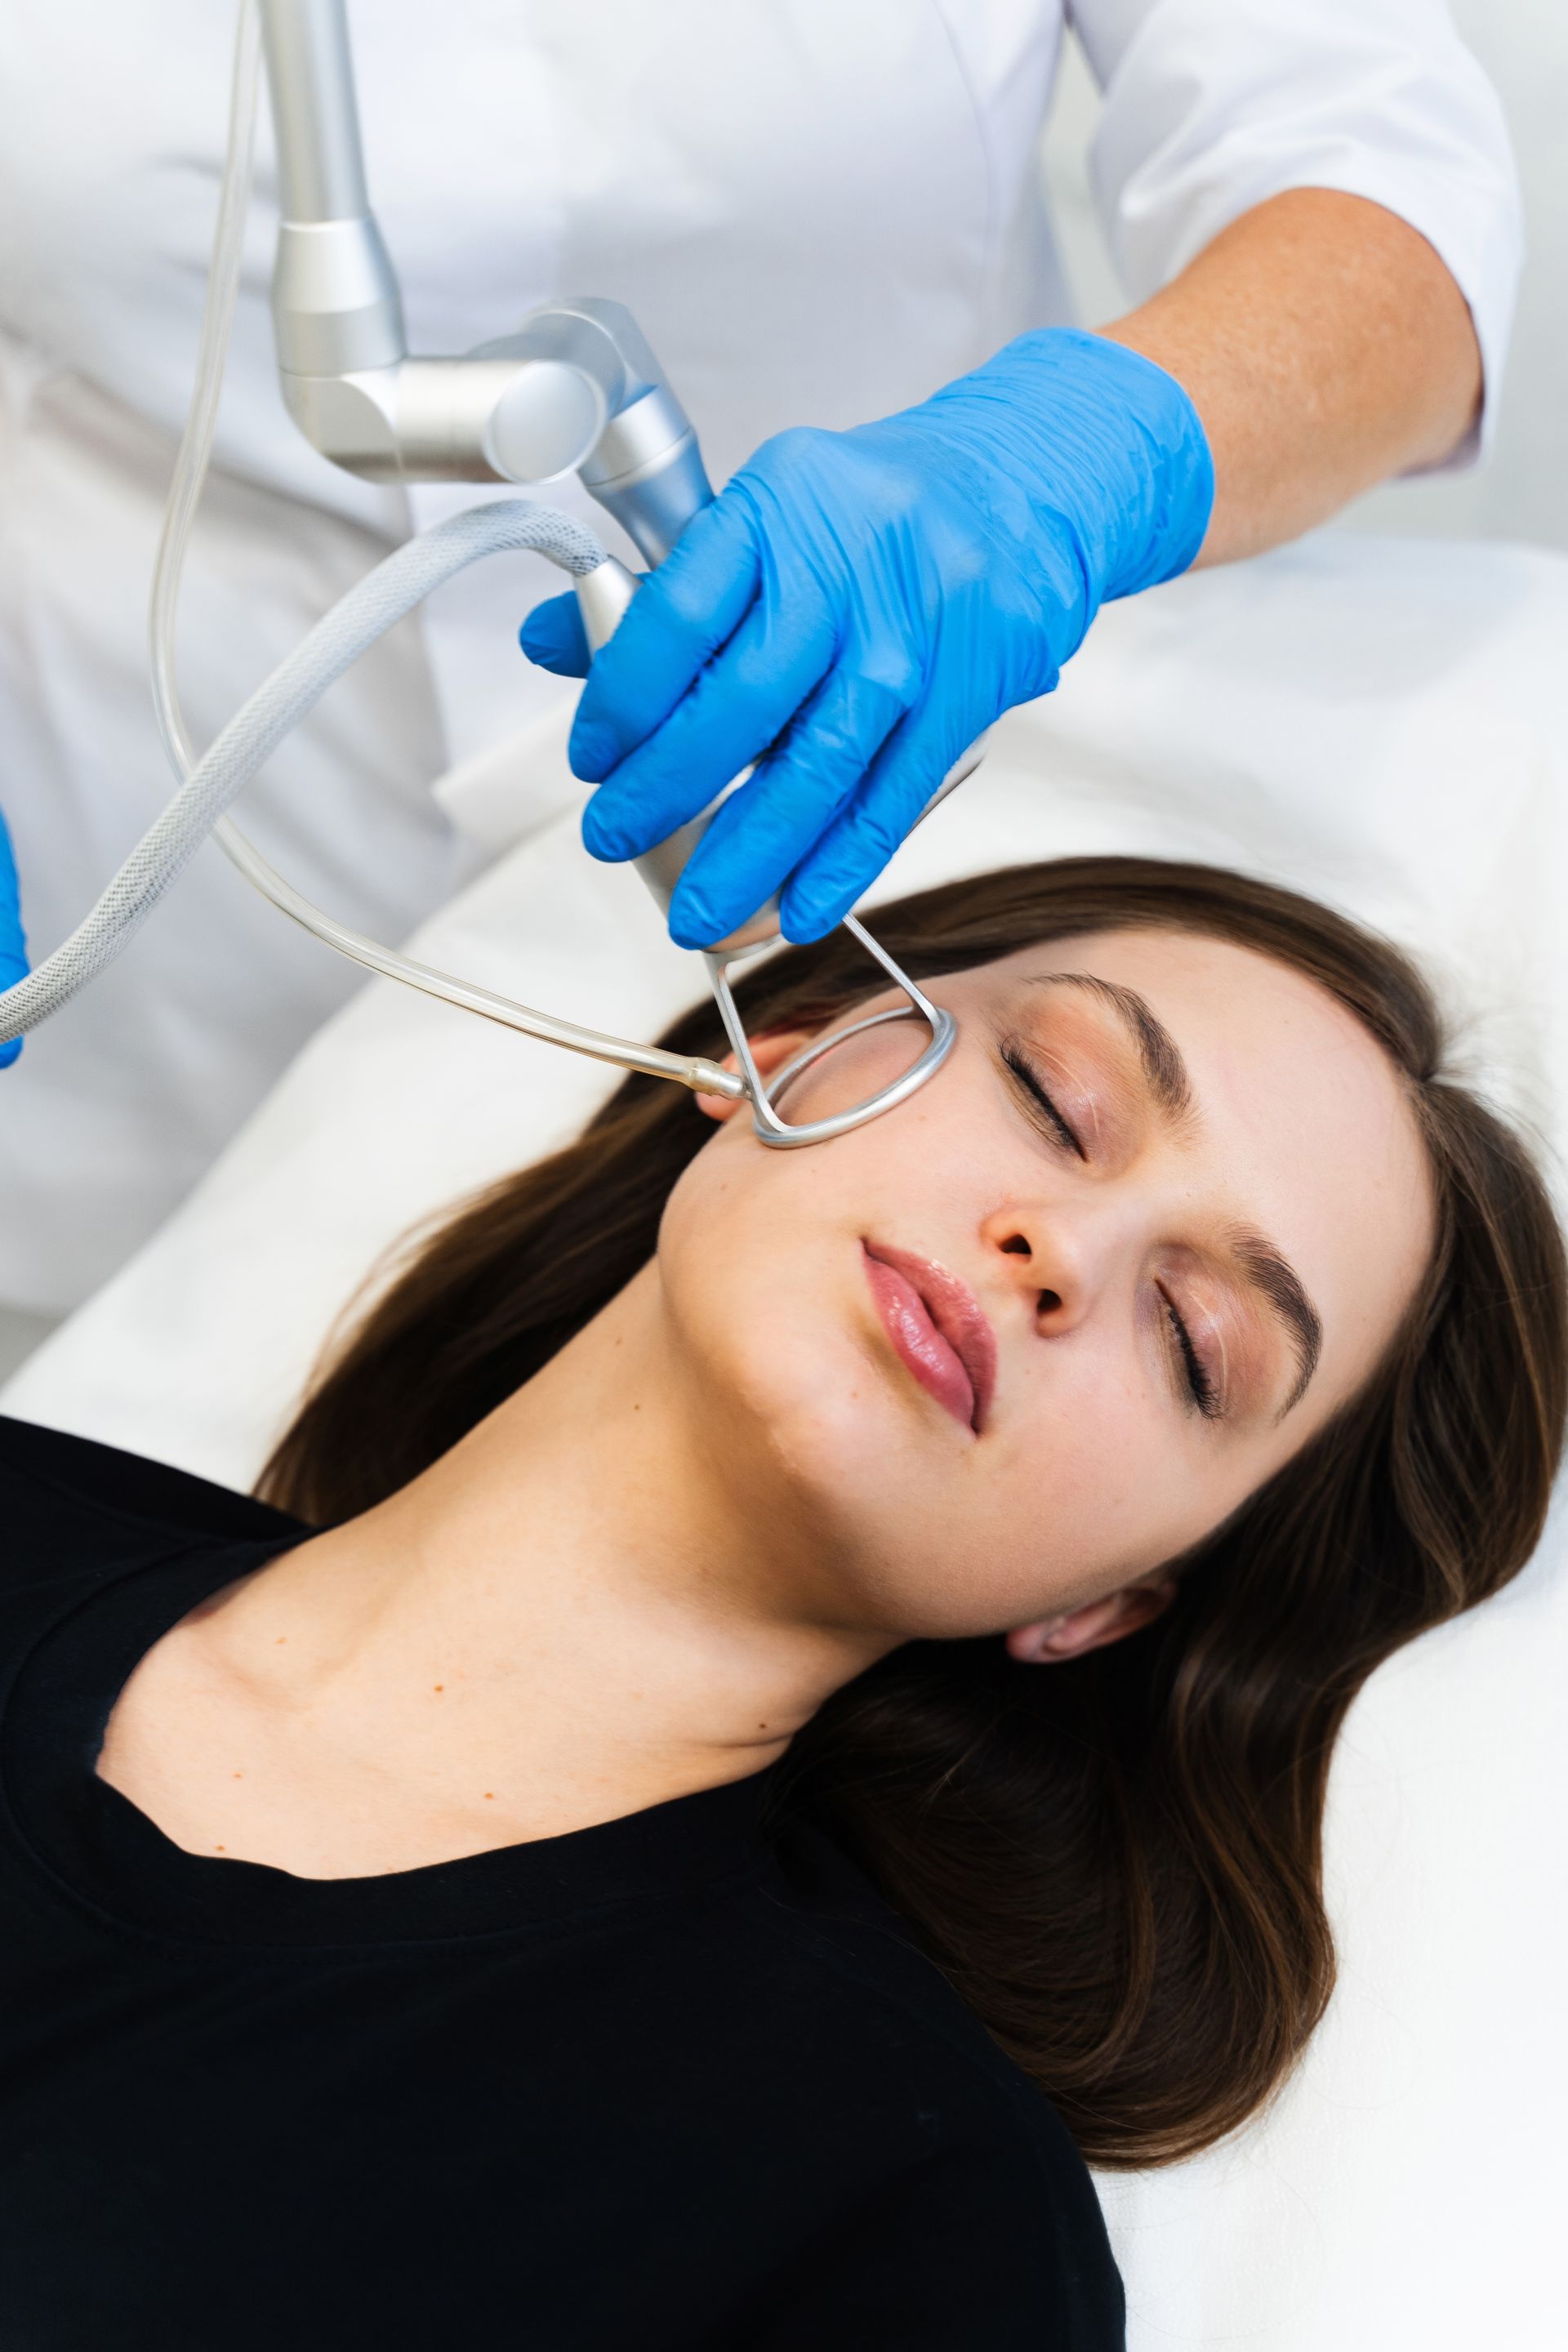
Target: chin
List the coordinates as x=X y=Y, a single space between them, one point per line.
x=795 y=1386
x=820 y=1399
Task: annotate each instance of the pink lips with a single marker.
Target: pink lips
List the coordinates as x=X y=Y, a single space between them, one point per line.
x=938 y=1328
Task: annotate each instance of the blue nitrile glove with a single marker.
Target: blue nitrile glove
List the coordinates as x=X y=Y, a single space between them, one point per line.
x=860 y=606
x=13 y=947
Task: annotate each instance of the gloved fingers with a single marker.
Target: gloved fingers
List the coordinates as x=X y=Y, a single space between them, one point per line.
x=763 y=830
x=12 y=945
x=552 y=637
x=737 y=707
x=862 y=839
x=678 y=620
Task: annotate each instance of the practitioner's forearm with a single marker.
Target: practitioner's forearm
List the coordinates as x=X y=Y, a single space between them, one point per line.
x=1325 y=347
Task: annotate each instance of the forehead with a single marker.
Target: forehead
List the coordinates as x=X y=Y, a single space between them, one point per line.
x=1300 y=1125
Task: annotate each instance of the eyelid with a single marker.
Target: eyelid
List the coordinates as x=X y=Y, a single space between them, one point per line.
x=1040 y=1103
x=1205 y=1390
x=1202 y=1390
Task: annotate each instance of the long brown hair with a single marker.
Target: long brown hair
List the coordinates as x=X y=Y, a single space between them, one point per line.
x=1117 y=1862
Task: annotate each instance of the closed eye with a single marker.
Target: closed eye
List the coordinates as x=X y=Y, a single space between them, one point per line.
x=1199 y=1382
x=1041 y=1108
x=1191 y=1369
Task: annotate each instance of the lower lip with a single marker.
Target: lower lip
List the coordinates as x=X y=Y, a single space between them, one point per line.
x=918 y=1343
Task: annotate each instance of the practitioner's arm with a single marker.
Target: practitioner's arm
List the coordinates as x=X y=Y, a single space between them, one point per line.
x=1325 y=346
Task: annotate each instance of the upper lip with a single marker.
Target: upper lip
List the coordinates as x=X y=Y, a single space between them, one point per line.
x=956 y=1313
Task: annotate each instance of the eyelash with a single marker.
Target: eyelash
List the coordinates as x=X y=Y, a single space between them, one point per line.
x=1205 y=1396
x=1030 y=1085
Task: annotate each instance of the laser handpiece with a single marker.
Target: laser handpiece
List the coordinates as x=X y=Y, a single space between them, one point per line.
x=575 y=389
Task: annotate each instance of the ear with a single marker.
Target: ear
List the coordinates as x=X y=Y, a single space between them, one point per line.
x=1078 y=1630
x=770 y=1052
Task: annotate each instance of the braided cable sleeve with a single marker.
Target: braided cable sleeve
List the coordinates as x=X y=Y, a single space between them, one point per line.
x=373 y=606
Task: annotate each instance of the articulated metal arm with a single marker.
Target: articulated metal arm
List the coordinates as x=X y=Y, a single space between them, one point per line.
x=575 y=389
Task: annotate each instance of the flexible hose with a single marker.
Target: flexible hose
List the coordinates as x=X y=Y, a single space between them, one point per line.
x=376 y=604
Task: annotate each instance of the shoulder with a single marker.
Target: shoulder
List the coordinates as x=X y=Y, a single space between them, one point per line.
x=847 y=1936
x=983 y=2185
x=67 y=1503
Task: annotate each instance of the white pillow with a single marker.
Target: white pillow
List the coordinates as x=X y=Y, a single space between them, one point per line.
x=1381 y=723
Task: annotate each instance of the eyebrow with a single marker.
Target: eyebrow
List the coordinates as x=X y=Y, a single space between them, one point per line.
x=1164 y=1071
x=1268 y=1272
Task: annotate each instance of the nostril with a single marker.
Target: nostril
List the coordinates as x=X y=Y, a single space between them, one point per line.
x=1050 y=1301
x=1016 y=1245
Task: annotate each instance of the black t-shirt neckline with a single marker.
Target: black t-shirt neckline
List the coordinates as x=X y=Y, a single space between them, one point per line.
x=681 y=2079
x=106 y=1851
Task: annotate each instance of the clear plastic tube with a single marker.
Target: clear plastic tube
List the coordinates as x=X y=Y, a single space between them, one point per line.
x=201 y=423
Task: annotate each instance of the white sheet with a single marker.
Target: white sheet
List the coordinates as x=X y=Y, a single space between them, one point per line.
x=1380 y=722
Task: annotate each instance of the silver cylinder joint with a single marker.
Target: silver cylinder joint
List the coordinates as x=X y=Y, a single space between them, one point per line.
x=575 y=389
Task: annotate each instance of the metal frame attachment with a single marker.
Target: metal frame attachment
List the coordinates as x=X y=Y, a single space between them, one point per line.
x=781 y=1133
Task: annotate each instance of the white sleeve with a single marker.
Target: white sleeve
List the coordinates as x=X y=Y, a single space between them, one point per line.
x=1211 y=106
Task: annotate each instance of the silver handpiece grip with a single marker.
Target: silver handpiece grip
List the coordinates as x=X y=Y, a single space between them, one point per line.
x=603 y=597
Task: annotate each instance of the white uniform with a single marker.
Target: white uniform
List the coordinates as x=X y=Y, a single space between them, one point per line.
x=817 y=211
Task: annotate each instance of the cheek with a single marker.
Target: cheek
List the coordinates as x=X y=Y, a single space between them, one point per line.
x=766 y=1302
x=741 y=1211
x=757 y=1259
x=1082 y=1486
x=857 y=1065
x=1093 y=1482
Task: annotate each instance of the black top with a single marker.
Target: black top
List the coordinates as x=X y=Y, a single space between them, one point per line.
x=677 y=2081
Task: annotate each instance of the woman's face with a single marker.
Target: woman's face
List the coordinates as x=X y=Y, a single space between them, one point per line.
x=1011 y=1347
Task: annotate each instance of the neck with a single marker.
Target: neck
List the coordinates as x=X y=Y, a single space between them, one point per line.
x=572 y=1615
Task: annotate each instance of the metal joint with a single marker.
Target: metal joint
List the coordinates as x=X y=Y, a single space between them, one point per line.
x=575 y=389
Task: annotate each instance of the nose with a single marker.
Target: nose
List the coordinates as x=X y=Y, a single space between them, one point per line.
x=1058 y=1262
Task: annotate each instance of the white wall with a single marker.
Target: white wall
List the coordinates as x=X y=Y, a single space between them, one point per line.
x=1523 y=493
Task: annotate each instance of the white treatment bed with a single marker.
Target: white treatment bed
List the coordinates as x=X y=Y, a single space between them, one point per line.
x=1382 y=723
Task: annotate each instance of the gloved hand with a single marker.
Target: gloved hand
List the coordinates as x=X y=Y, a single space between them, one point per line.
x=859 y=606
x=13 y=948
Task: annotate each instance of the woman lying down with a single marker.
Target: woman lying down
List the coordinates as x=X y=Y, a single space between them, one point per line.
x=775 y=1702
